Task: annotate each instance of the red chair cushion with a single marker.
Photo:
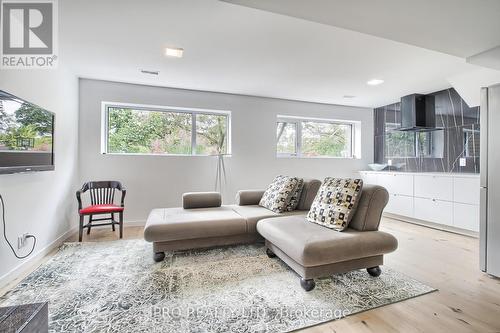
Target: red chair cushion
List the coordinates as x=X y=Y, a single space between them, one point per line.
x=101 y=209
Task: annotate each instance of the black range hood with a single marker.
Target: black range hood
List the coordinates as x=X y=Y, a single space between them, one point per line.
x=418 y=113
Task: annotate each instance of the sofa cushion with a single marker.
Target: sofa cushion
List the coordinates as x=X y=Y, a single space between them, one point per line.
x=309 y=191
x=248 y=197
x=171 y=224
x=192 y=200
x=311 y=245
x=335 y=202
x=278 y=193
x=254 y=214
x=373 y=200
x=294 y=199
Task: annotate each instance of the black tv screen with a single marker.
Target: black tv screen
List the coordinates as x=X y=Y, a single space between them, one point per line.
x=26 y=136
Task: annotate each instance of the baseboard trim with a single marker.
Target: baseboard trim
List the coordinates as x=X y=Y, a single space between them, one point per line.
x=432 y=225
x=20 y=270
x=134 y=223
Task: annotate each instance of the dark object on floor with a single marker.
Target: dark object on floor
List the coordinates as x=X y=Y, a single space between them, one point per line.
x=159 y=256
x=307 y=284
x=26 y=318
x=270 y=253
x=374 y=271
x=102 y=197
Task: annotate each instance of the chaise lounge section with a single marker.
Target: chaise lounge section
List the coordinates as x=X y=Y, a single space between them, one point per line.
x=314 y=251
x=311 y=250
x=203 y=221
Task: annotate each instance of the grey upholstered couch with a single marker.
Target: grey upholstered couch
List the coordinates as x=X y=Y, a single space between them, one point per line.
x=309 y=249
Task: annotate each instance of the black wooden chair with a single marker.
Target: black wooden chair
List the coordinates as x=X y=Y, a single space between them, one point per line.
x=102 y=198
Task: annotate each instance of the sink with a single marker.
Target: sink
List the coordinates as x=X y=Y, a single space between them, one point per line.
x=377 y=167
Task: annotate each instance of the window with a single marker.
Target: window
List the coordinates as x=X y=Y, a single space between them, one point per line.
x=411 y=144
x=165 y=131
x=287 y=138
x=399 y=144
x=314 y=138
x=471 y=141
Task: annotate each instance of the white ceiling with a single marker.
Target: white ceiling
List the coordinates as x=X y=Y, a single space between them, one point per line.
x=236 y=49
x=457 y=27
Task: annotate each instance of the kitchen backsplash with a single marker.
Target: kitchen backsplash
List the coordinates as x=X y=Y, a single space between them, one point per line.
x=452 y=148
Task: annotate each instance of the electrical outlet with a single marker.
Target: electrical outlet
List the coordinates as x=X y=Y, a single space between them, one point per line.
x=21 y=241
x=463 y=162
x=389 y=162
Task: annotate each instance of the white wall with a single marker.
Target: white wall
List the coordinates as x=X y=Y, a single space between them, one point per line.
x=159 y=181
x=42 y=203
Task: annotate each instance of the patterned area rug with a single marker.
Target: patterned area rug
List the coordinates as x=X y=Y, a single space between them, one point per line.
x=117 y=287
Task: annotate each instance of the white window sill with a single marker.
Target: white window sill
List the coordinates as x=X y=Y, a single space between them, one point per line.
x=164 y=155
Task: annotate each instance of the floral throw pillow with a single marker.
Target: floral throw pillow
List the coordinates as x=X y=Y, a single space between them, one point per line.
x=335 y=203
x=295 y=198
x=278 y=193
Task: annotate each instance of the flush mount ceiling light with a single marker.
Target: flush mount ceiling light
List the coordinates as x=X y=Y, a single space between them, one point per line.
x=374 y=82
x=174 y=52
x=349 y=96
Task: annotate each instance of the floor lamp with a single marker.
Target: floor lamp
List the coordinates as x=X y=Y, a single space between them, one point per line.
x=220 y=176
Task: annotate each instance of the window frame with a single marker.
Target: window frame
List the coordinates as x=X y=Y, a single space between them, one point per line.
x=105 y=106
x=354 y=126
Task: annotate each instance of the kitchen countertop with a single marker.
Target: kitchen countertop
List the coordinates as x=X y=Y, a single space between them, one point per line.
x=440 y=174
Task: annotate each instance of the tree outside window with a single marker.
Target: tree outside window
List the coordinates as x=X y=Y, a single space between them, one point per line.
x=132 y=131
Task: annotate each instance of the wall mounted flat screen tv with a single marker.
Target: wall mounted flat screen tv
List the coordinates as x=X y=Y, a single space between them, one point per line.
x=26 y=136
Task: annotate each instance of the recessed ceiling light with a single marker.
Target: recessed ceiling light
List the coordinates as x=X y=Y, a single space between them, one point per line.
x=175 y=52
x=144 y=71
x=349 y=96
x=375 y=82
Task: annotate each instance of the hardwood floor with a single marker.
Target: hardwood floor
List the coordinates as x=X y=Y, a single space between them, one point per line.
x=467 y=301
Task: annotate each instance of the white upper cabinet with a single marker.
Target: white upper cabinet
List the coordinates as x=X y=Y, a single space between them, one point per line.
x=466 y=190
x=434 y=187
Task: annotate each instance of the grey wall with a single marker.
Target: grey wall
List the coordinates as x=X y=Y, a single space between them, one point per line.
x=454 y=117
x=159 y=181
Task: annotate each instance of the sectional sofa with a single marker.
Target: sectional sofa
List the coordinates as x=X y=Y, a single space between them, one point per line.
x=311 y=250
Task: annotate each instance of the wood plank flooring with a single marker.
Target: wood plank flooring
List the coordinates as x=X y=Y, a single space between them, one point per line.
x=467 y=301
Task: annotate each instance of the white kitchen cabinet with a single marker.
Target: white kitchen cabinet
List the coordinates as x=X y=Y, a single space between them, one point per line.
x=400 y=205
x=466 y=216
x=446 y=199
x=434 y=187
x=432 y=210
x=466 y=190
x=396 y=183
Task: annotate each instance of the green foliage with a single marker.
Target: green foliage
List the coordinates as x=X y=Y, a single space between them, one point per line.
x=6 y=120
x=400 y=144
x=286 y=134
x=211 y=134
x=40 y=119
x=10 y=139
x=26 y=129
x=325 y=139
x=157 y=132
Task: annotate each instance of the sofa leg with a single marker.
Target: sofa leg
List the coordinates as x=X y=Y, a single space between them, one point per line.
x=270 y=253
x=307 y=284
x=159 y=256
x=374 y=271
